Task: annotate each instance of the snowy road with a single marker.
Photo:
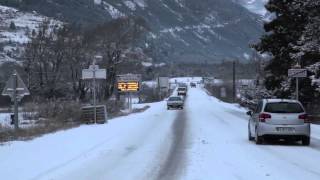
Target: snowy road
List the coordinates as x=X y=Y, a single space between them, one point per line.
x=207 y=140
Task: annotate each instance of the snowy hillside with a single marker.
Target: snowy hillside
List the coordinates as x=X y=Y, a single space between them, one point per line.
x=192 y=30
x=16 y=28
x=256 y=6
x=181 y=30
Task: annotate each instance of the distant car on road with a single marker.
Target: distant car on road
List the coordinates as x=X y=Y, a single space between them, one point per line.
x=175 y=102
x=281 y=119
x=182 y=91
x=193 y=85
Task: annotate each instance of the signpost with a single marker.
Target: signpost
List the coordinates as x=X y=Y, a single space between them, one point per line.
x=94 y=73
x=297 y=73
x=16 y=89
x=128 y=84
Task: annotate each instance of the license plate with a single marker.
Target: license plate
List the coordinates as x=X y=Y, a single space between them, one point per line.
x=285 y=129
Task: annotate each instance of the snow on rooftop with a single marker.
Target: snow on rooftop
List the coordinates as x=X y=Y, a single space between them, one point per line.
x=141 y=3
x=5 y=59
x=131 y=5
x=98 y=2
x=146 y=64
x=114 y=12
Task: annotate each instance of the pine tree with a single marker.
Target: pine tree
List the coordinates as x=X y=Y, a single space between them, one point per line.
x=284 y=40
x=12 y=26
x=309 y=43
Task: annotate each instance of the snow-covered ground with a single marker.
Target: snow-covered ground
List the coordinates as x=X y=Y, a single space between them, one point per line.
x=207 y=140
x=5 y=121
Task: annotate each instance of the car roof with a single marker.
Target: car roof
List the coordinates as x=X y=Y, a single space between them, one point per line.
x=280 y=100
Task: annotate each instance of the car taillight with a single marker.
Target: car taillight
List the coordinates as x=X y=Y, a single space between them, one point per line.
x=264 y=116
x=304 y=117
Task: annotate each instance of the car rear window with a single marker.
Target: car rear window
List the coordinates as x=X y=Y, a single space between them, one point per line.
x=283 y=107
x=181 y=89
x=175 y=99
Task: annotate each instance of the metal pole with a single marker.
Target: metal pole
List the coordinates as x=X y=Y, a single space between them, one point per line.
x=94 y=92
x=234 y=80
x=16 y=118
x=159 y=92
x=130 y=102
x=297 y=88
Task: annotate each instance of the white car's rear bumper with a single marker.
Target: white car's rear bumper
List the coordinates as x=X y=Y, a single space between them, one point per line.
x=283 y=130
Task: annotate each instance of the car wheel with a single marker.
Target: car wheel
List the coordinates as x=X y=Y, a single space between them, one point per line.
x=168 y=108
x=258 y=139
x=306 y=141
x=249 y=135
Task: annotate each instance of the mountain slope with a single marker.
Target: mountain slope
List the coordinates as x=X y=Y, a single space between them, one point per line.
x=181 y=30
x=15 y=29
x=256 y=6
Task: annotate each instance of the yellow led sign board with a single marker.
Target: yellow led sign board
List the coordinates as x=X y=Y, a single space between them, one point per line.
x=132 y=86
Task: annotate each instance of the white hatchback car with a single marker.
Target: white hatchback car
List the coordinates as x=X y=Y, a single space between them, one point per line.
x=281 y=119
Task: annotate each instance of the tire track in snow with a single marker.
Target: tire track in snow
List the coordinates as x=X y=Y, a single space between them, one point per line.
x=174 y=163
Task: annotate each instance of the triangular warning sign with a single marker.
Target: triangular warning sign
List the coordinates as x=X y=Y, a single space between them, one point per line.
x=21 y=88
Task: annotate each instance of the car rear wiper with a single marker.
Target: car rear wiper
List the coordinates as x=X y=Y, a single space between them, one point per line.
x=279 y=112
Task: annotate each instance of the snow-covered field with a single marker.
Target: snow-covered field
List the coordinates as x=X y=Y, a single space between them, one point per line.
x=5 y=119
x=207 y=140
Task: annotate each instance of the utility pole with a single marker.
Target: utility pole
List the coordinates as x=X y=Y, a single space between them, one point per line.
x=15 y=100
x=297 y=88
x=234 y=80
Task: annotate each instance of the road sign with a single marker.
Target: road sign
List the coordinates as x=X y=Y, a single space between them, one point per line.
x=128 y=82
x=16 y=89
x=94 y=71
x=21 y=88
x=297 y=73
x=129 y=77
x=132 y=86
